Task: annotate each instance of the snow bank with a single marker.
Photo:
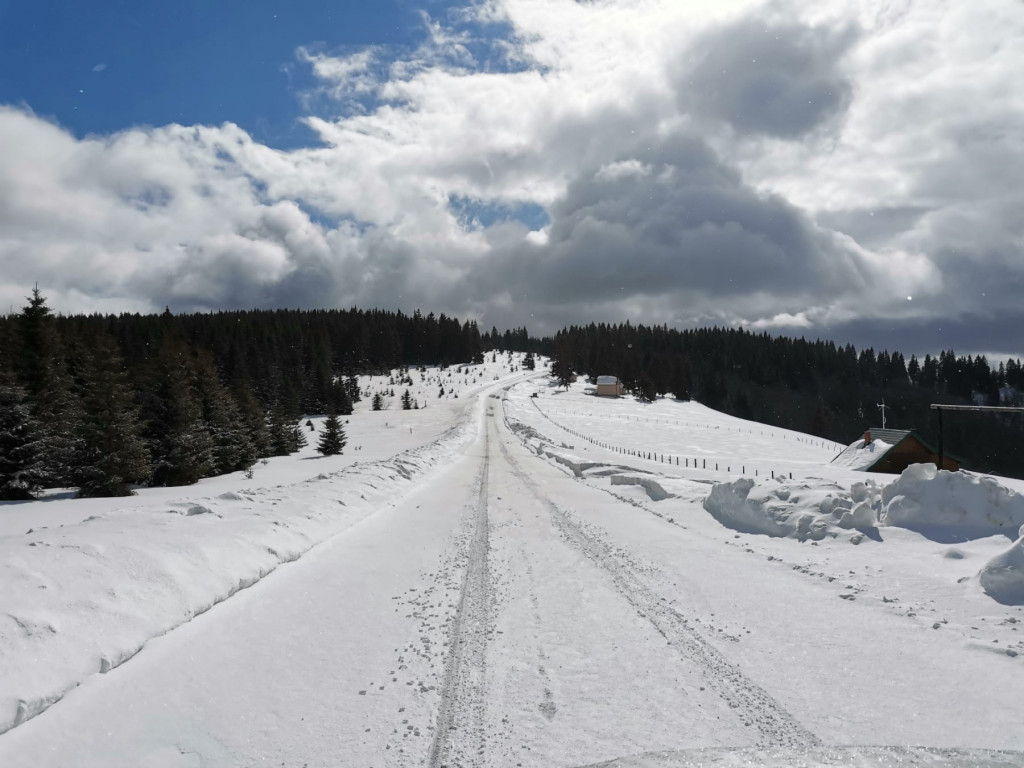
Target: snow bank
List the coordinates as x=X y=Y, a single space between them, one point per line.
x=577 y=464
x=83 y=598
x=948 y=506
x=802 y=509
x=1002 y=578
x=655 y=489
x=957 y=504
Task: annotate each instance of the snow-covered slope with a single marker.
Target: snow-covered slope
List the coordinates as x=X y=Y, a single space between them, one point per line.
x=87 y=582
x=508 y=580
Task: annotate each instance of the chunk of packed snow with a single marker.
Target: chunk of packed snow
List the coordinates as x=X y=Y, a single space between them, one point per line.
x=1002 y=578
x=655 y=489
x=861 y=516
x=924 y=498
x=803 y=509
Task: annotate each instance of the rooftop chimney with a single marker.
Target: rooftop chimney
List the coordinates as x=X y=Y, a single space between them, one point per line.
x=867 y=437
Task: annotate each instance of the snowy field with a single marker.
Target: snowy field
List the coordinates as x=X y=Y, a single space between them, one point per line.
x=521 y=576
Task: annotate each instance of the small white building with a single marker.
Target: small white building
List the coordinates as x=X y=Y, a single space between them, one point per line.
x=609 y=386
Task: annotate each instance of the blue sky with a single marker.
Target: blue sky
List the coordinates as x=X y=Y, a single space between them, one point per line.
x=809 y=167
x=105 y=65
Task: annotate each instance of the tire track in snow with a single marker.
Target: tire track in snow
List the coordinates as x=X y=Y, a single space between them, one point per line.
x=754 y=706
x=459 y=734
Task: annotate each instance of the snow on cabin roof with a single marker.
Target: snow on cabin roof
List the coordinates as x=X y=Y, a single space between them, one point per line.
x=860 y=456
x=607 y=380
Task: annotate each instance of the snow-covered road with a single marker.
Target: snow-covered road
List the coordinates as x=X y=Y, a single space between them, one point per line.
x=503 y=612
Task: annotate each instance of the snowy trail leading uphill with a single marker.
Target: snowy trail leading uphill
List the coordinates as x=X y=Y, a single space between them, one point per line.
x=503 y=612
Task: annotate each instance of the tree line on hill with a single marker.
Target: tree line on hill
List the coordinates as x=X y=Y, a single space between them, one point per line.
x=104 y=403
x=817 y=387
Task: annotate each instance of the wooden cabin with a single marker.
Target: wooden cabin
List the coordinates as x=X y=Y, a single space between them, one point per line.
x=609 y=386
x=900 y=449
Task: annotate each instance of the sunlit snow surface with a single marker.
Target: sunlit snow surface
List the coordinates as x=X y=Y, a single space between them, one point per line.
x=505 y=579
x=819 y=757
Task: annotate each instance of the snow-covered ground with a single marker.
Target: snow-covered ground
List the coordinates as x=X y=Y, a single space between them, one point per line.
x=504 y=579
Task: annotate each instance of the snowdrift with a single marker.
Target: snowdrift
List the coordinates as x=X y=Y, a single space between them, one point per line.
x=802 y=509
x=657 y=487
x=951 y=503
x=945 y=506
x=1002 y=578
x=84 y=598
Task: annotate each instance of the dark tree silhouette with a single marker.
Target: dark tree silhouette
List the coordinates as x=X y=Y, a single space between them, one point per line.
x=332 y=437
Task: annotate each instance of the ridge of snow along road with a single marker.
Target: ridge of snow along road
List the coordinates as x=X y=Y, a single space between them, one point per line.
x=809 y=499
x=86 y=596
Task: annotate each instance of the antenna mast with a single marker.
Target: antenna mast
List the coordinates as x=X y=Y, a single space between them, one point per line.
x=882 y=406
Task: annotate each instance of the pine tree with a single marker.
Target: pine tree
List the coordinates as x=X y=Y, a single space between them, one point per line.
x=38 y=343
x=114 y=455
x=406 y=401
x=254 y=424
x=332 y=438
x=299 y=440
x=176 y=433
x=561 y=369
x=282 y=437
x=679 y=385
x=645 y=391
x=352 y=387
x=338 y=398
x=18 y=479
x=58 y=438
x=232 y=446
x=821 y=422
x=378 y=402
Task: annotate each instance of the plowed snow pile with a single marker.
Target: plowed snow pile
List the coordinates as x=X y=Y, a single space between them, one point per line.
x=940 y=504
x=802 y=509
x=1003 y=576
x=925 y=499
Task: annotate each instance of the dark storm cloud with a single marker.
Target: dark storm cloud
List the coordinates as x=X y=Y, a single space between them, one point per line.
x=998 y=334
x=671 y=218
x=873 y=227
x=780 y=80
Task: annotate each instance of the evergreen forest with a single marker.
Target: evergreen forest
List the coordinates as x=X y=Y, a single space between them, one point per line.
x=817 y=387
x=105 y=403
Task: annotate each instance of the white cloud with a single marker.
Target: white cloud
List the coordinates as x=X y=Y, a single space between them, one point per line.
x=783 y=320
x=662 y=206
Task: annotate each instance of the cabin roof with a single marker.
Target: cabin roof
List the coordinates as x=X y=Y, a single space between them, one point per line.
x=891 y=436
x=855 y=456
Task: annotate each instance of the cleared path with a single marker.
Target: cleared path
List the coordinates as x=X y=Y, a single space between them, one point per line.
x=500 y=614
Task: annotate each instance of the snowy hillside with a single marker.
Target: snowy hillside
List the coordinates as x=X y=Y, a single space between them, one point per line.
x=520 y=575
